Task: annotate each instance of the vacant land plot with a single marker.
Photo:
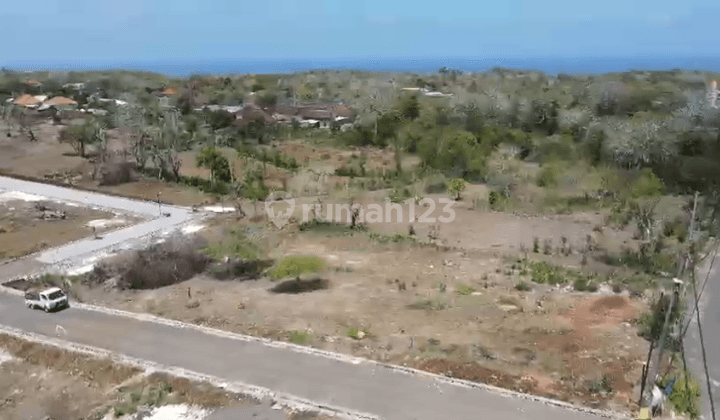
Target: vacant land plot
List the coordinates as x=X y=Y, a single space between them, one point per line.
x=40 y=382
x=470 y=311
x=28 y=224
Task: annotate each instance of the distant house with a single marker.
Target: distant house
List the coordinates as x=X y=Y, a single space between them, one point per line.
x=60 y=102
x=251 y=113
x=74 y=86
x=33 y=83
x=28 y=101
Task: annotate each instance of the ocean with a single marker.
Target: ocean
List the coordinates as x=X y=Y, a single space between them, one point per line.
x=549 y=65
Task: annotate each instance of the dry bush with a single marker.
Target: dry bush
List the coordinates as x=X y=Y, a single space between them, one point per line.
x=177 y=259
x=116 y=173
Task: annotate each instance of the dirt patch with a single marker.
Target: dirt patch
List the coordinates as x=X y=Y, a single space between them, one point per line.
x=31 y=226
x=470 y=371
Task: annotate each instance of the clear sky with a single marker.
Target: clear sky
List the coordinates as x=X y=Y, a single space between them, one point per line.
x=87 y=31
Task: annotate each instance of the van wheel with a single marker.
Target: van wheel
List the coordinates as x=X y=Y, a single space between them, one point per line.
x=46 y=309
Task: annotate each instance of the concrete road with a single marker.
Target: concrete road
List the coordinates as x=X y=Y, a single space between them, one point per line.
x=364 y=387
x=85 y=252
x=710 y=321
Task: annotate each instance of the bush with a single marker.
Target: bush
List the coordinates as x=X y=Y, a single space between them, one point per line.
x=544 y=273
x=296 y=265
x=548 y=176
x=116 y=173
x=583 y=284
x=522 y=287
x=647 y=184
x=685 y=396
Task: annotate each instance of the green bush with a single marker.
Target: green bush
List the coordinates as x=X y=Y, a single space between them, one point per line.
x=296 y=265
x=583 y=284
x=647 y=184
x=685 y=396
x=548 y=176
x=544 y=273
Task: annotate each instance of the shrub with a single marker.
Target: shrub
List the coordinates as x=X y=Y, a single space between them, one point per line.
x=548 y=176
x=464 y=290
x=583 y=284
x=647 y=184
x=522 y=286
x=685 y=396
x=296 y=265
x=544 y=273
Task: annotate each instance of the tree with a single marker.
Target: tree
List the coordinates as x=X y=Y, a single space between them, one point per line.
x=457 y=185
x=210 y=158
x=219 y=119
x=410 y=108
x=78 y=136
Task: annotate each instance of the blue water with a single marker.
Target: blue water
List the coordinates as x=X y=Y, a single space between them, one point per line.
x=550 y=65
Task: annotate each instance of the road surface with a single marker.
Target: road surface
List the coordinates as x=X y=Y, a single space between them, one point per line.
x=83 y=253
x=364 y=387
x=710 y=319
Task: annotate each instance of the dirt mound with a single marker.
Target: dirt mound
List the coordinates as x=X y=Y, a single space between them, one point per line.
x=609 y=302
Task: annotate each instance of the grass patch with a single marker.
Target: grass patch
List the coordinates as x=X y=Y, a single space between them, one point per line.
x=302 y=338
x=436 y=304
x=396 y=238
x=296 y=265
x=151 y=396
x=583 y=284
x=357 y=333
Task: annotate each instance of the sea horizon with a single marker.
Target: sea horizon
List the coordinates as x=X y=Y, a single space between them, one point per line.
x=548 y=65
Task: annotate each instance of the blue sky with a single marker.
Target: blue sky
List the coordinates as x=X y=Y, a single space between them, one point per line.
x=95 y=31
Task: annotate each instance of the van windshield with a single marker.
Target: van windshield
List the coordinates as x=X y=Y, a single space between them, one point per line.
x=55 y=295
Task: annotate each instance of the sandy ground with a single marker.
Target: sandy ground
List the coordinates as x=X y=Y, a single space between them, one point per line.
x=37 y=383
x=24 y=230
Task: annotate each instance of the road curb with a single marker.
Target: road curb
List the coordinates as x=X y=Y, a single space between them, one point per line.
x=343 y=358
x=259 y=393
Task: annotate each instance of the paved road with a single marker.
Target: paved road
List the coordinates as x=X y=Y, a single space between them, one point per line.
x=710 y=319
x=85 y=252
x=363 y=387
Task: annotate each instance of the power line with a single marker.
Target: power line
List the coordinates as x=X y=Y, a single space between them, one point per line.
x=702 y=289
x=702 y=346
